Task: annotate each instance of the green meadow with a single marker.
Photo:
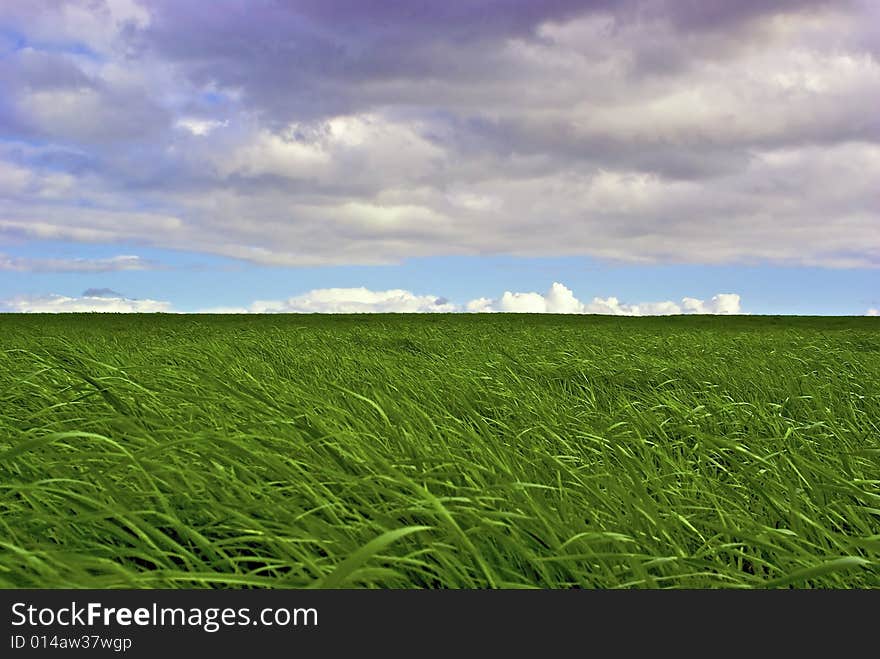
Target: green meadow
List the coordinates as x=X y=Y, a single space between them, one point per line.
x=439 y=451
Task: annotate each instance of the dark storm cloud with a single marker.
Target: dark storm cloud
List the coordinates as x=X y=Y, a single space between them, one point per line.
x=368 y=132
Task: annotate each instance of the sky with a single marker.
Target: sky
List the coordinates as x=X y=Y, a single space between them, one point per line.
x=632 y=157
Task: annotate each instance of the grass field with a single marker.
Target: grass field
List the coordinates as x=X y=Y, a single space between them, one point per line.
x=447 y=451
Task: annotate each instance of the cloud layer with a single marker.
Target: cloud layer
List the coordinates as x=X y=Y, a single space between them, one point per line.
x=559 y=299
x=112 y=264
x=100 y=303
x=337 y=132
x=348 y=300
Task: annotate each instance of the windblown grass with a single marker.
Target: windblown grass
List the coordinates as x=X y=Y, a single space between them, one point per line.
x=439 y=452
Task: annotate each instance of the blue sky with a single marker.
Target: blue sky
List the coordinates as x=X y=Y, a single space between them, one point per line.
x=639 y=157
x=194 y=281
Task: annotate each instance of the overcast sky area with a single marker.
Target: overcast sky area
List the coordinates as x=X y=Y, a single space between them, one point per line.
x=624 y=157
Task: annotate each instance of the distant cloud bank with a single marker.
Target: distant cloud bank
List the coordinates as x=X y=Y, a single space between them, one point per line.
x=347 y=300
x=83 y=304
x=559 y=299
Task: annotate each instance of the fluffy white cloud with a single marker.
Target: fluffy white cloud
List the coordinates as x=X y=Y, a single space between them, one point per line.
x=872 y=312
x=723 y=303
x=348 y=300
x=560 y=299
x=366 y=149
x=84 y=304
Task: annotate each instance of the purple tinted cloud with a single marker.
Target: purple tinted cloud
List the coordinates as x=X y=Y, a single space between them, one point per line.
x=369 y=132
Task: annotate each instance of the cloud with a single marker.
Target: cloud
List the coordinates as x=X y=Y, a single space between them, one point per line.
x=872 y=312
x=112 y=264
x=84 y=304
x=643 y=131
x=101 y=292
x=723 y=303
x=560 y=299
x=200 y=127
x=349 y=300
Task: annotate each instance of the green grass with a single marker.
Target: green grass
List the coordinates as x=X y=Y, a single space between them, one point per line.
x=450 y=451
